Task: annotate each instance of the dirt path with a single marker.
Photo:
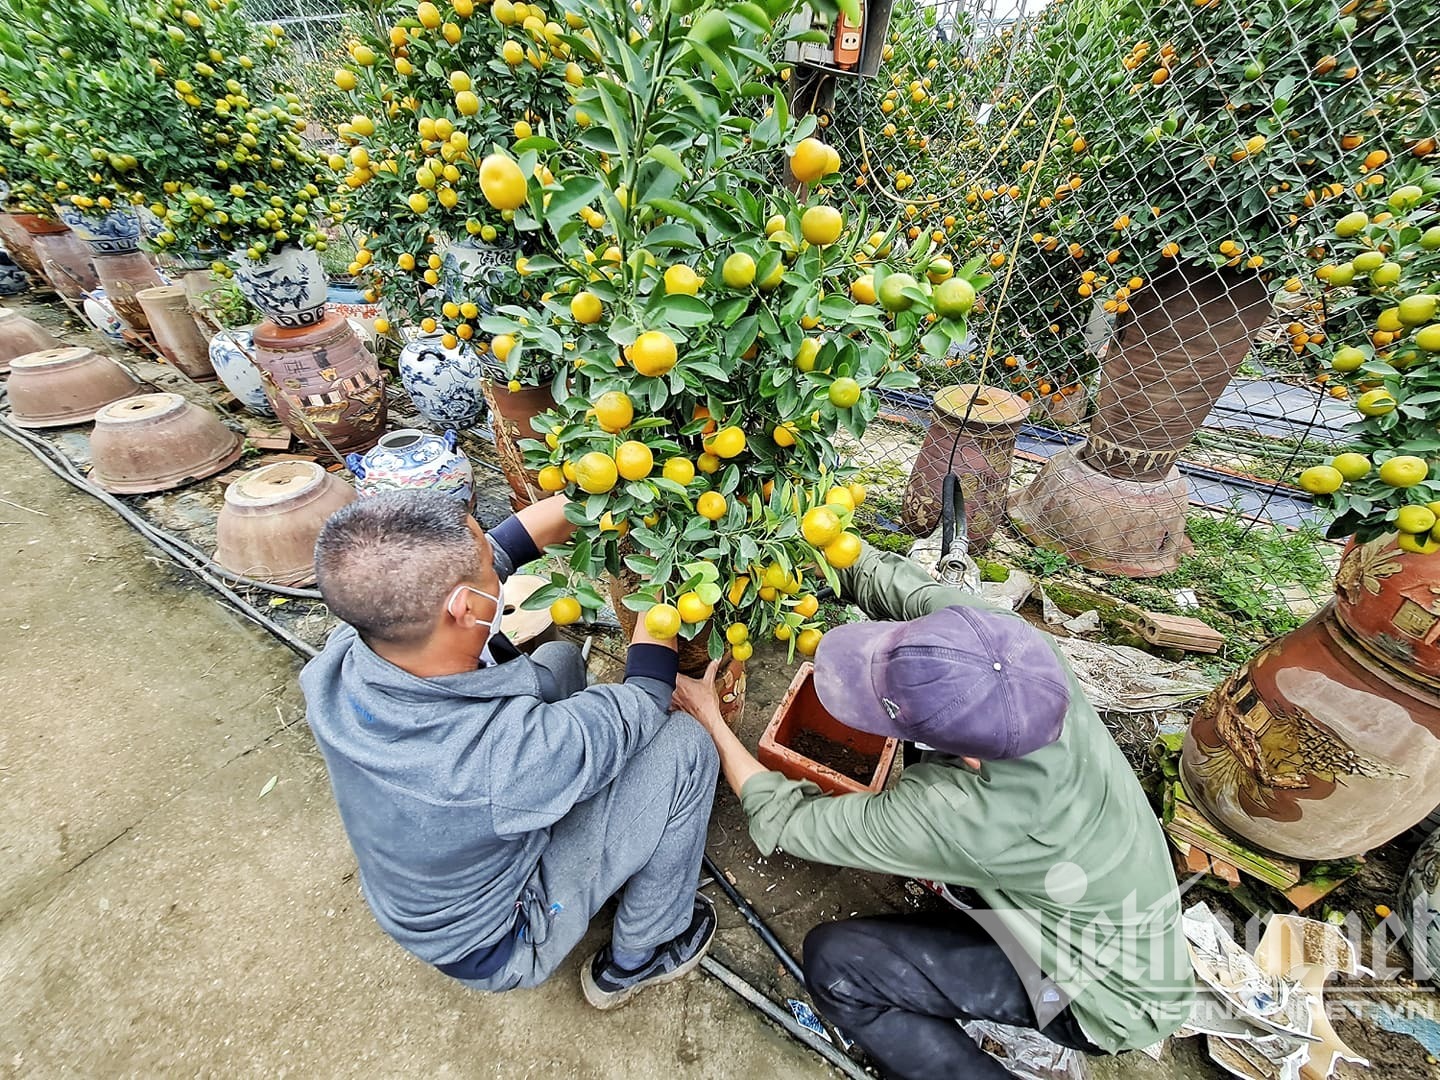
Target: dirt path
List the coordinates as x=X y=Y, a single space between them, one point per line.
x=165 y=910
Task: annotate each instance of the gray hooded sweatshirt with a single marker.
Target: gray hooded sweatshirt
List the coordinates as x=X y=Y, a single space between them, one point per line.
x=448 y=786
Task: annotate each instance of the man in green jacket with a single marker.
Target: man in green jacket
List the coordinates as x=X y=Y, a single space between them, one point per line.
x=1020 y=794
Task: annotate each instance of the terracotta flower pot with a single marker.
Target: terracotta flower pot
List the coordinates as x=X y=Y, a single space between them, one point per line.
x=21 y=246
x=324 y=384
x=271 y=517
x=154 y=442
x=973 y=432
x=59 y=387
x=19 y=335
x=124 y=277
x=67 y=263
x=1185 y=335
x=801 y=731
x=36 y=225
x=511 y=413
x=167 y=309
x=1327 y=743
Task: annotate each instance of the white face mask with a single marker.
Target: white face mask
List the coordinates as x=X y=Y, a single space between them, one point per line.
x=485 y=657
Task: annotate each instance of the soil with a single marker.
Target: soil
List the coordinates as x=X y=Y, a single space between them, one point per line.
x=845 y=760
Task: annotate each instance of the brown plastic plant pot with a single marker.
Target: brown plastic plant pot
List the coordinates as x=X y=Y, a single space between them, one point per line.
x=19 y=335
x=270 y=520
x=60 y=387
x=154 y=442
x=801 y=718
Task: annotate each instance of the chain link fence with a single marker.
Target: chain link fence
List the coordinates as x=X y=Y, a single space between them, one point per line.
x=1149 y=186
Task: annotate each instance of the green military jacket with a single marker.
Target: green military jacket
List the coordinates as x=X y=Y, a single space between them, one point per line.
x=1061 y=844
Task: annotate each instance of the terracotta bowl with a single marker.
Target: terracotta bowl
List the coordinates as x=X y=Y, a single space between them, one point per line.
x=153 y=442
x=58 y=387
x=19 y=335
x=270 y=520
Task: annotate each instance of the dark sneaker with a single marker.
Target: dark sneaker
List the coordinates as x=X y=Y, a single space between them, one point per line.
x=608 y=987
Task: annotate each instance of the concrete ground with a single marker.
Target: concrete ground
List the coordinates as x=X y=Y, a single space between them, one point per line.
x=178 y=896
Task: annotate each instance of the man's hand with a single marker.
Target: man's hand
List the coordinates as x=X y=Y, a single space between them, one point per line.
x=699 y=698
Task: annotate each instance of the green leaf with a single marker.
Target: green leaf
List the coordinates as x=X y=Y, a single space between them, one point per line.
x=680 y=310
x=668 y=158
x=578 y=191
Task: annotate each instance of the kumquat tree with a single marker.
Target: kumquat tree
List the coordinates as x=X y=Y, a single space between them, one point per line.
x=719 y=343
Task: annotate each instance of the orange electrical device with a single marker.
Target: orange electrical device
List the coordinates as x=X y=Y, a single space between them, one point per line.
x=847 y=42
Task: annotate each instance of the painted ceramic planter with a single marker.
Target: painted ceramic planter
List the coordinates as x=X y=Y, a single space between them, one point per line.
x=1327 y=743
x=1419 y=907
x=102 y=316
x=471 y=267
x=21 y=246
x=411 y=460
x=443 y=383
x=349 y=301
x=125 y=276
x=13 y=279
x=19 y=335
x=324 y=384
x=67 y=263
x=511 y=416
x=230 y=354
x=973 y=432
x=168 y=310
x=1184 y=337
x=287 y=286
x=114 y=232
x=267 y=528
x=154 y=442
x=60 y=387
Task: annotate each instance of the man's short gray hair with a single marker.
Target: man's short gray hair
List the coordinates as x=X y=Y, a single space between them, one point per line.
x=385 y=563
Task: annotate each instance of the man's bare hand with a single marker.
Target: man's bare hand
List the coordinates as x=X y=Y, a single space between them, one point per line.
x=698 y=697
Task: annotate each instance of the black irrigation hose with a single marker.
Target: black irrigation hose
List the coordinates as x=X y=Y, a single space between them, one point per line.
x=193 y=560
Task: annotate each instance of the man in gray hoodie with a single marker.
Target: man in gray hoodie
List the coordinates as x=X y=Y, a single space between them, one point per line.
x=493 y=801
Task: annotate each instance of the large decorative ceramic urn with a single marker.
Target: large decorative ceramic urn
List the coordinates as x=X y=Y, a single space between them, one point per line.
x=444 y=384
x=1117 y=503
x=1327 y=743
x=108 y=232
x=232 y=356
x=324 y=384
x=972 y=433
x=287 y=286
x=412 y=460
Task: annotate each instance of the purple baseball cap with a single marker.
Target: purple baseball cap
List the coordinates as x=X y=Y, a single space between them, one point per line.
x=964 y=680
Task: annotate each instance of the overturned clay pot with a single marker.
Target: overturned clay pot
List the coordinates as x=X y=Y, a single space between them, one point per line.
x=59 y=387
x=154 y=442
x=270 y=520
x=19 y=335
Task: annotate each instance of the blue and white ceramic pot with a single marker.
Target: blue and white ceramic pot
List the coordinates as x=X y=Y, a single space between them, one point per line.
x=230 y=352
x=13 y=281
x=470 y=268
x=287 y=286
x=101 y=314
x=1419 y=907
x=113 y=232
x=443 y=383
x=411 y=460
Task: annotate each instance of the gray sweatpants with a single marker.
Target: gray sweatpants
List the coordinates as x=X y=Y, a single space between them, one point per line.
x=642 y=837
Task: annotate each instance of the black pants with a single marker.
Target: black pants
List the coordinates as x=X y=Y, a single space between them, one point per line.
x=897 y=984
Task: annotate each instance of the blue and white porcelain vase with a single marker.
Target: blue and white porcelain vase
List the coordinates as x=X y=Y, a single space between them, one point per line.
x=443 y=383
x=471 y=268
x=101 y=314
x=1419 y=907
x=411 y=460
x=13 y=281
x=113 y=232
x=288 y=286
x=230 y=352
